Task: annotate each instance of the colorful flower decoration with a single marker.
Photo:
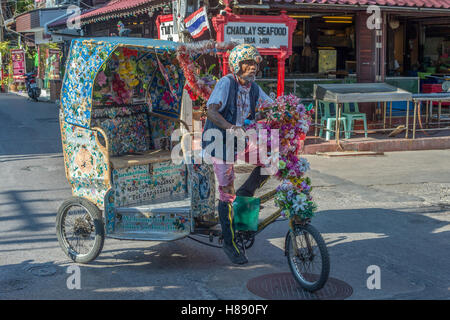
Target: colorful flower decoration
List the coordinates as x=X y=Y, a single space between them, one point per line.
x=101 y=79
x=201 y=86
x=287 y=114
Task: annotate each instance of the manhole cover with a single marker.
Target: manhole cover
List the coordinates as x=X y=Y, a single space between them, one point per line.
x=283 y=286
x=42 y=270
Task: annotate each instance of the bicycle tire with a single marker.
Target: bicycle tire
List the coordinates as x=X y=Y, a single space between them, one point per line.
x=97 y=222
x=316 y=282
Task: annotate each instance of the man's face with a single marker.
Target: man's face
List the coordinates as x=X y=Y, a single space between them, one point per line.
x=248 y=70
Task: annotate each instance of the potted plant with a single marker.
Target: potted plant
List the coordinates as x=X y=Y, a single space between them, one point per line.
x=13 y=87
x=4 y=53
x=9 y=79
x=4 y=84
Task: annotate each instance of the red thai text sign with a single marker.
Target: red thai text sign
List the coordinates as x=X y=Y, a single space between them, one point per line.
x=18 y=61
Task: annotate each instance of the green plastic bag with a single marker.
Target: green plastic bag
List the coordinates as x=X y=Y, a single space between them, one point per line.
x=246 y=213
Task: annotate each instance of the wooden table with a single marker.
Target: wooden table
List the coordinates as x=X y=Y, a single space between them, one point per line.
x=429 y=98
x=357 y=92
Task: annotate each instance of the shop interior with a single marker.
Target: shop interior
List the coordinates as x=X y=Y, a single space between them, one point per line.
x=418 y=47
x=323 y=45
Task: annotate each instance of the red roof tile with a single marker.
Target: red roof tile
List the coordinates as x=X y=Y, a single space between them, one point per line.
x=108 y=8
x=437 y=4
x=113 y=6
x=124 y=5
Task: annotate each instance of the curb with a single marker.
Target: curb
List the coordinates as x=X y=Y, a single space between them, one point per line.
x=25 y=95
x=433 y=143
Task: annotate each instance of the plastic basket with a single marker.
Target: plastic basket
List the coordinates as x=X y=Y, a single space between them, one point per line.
x=246 y=213
x=431 y=88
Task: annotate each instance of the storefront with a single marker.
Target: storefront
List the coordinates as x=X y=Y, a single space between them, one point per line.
x=340 y=43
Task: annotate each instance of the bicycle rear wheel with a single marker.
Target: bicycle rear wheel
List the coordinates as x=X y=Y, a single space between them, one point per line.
x=307 y=257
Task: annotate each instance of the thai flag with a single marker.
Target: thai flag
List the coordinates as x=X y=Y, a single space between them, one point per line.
x=197 y=23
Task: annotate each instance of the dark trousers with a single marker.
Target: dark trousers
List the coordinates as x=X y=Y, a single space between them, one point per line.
x=253 y=182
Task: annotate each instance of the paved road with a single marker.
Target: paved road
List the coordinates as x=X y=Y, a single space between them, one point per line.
x=390 y=211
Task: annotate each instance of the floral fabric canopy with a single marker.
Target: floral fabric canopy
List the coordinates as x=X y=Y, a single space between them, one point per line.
x=116 y=71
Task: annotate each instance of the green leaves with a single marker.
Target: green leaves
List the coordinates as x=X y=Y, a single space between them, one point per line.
x=4 y=48
x=211 y=67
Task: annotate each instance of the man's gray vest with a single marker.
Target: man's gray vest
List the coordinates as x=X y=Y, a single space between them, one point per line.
x=230 y=112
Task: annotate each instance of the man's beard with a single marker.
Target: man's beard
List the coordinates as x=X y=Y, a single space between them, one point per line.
x=250 y=78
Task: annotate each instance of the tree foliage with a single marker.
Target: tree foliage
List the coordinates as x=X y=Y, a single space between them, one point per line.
x=22 y=6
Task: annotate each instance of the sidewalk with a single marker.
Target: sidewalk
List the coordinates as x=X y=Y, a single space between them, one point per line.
x=379 y=143
x=44 y=97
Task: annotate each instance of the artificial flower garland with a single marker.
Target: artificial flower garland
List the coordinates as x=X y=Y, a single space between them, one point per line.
x=199 y=86
x=287 y=114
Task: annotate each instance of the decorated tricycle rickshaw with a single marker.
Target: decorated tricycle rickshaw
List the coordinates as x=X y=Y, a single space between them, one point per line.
x=121 y=102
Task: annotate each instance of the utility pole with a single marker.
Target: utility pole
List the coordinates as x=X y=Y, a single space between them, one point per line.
x=2 y=21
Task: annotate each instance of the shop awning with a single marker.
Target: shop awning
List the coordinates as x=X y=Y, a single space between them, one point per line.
x=436 y=4
x=115 y=9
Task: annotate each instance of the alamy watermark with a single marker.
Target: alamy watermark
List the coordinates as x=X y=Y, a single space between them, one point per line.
x=250 y=146
x=73 y=21
x=374 y=280
x=374 y=21
x=74 y=280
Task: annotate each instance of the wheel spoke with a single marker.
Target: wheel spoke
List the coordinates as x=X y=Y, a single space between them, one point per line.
x=307 y=262
x=77 y=228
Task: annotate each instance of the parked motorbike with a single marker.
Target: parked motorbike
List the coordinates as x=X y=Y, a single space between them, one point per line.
x=33 y=90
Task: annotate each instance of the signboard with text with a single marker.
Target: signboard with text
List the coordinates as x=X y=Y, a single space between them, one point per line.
x=166 y=28
x=271 y=35
x=18 y=61
x=261 y=35
x=52 y=65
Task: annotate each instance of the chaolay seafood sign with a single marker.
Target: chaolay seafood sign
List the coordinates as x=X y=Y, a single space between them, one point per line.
x=271 y=35
x=261 y=35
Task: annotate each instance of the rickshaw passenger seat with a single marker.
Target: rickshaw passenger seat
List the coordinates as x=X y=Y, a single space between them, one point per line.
x=126 y=127
x=129 y=135
x=151 y=156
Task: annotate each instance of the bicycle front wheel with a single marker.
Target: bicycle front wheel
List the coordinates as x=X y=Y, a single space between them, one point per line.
x=307 y=257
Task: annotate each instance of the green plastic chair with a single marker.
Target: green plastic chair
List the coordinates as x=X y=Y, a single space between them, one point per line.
x=351 y=112
x=423 y=75
x=328 y=114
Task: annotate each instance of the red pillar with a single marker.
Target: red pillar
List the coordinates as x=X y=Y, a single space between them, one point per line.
x=1 y=66
x=281 y=70
x=225 y=65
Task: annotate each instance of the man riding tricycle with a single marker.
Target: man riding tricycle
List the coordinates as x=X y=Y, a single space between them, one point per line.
x=121 y=107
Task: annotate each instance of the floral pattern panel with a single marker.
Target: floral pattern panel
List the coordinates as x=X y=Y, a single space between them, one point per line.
x=161 y=224
x=124 y=78
x=166 y=86
x=86 y=164
x=149 y=183
x=86 y=57
x=110 y=213
x=161 y=132
x=126 y=128
x=202 y=189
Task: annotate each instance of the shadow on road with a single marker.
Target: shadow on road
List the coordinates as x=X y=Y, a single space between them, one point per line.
x=409 y=243
x=27 y=127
